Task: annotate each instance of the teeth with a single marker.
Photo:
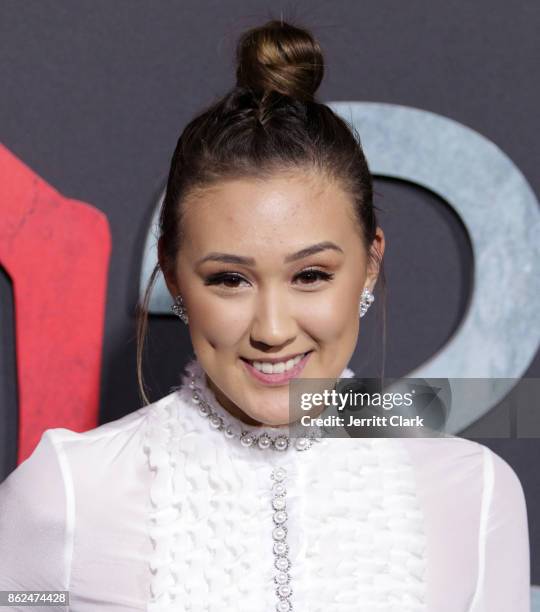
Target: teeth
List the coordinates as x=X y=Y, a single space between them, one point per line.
x=277 y=368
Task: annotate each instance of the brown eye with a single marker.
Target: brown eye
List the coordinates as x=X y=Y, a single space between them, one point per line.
x=230 y=281
x=314 y=275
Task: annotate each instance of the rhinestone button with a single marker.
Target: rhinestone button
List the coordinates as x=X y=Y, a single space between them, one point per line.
x=279 y=533
x=279 y=474
x=279 y=489
x=281 y=548
x=280 y=517
x=278 y=503
x=282 y=563
x=284 y=590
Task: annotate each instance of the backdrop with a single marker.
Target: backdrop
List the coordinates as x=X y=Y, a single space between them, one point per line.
x=96 y=93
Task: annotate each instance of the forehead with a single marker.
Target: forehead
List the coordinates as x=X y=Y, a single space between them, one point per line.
x=255 y=214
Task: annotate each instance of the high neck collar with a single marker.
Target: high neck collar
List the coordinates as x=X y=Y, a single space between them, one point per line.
x=195 y=370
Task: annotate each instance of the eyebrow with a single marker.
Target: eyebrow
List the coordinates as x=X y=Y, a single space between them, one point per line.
x=250 y=261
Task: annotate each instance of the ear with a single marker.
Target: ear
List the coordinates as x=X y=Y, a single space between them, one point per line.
x=168 y=275
x=374 y=263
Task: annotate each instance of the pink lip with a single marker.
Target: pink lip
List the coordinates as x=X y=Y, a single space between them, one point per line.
x=277 y=379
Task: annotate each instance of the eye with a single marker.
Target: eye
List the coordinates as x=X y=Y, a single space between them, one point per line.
x=231 y=280
x=312 y=275
x=226 y=279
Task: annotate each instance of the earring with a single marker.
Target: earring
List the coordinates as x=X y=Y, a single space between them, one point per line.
x=367 y=299
x=179 y=309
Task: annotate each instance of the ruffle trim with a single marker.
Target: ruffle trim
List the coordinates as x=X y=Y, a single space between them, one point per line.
x=363 y=545
x=164 y=516
x=364 y=494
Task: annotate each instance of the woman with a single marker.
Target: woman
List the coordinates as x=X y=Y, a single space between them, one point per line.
x=271 y=250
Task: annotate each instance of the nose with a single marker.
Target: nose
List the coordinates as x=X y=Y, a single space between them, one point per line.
x=273 y=323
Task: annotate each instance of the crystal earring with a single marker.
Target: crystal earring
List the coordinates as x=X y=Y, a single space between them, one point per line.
x=179 y=309
x=367 y=299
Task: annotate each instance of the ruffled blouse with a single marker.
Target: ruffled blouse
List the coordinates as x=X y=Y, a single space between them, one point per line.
x=160 y=511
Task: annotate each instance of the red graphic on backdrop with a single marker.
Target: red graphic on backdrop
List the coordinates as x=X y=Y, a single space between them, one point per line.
x=56 y=251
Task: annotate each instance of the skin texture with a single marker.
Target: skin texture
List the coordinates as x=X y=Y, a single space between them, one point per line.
x=272 y=309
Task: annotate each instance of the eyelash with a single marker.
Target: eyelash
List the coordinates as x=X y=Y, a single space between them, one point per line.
x=218 y=279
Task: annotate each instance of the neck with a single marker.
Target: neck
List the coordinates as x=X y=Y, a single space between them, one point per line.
x=229 y=406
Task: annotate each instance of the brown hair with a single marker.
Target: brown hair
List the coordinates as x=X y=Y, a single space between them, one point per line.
x=269 y=122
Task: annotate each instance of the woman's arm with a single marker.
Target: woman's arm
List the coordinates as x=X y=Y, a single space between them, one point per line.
x=504 y=556
x=34 y=550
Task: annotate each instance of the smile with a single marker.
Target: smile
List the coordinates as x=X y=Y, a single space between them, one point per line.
x=269 y=372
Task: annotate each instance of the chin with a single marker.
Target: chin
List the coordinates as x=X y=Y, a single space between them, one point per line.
x=271 y=416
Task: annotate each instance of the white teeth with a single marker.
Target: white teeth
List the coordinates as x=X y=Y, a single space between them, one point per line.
x=277 y=368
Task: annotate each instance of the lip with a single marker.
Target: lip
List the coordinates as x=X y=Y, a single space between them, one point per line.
x=280 y=378
x=275 y=359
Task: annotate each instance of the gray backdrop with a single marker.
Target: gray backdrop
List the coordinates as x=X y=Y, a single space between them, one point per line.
x=94 y=95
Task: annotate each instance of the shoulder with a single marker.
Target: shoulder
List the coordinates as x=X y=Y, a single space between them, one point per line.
x=62 y=452
x=464 y=471
x=38 y=477
x=504 y=501
x=446 y=456
x=113 y=433
x=34 y=508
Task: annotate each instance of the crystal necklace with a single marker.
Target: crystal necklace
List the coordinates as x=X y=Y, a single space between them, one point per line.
x=280 y=442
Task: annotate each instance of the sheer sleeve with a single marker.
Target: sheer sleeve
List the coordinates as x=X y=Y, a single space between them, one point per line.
x=504 y=568
x=34 y=551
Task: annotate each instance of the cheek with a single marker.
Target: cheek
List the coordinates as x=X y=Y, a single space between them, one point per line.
x=331 y=314
x=220 y=322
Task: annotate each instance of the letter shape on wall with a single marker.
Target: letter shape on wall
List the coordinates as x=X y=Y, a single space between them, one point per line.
x=500 y=333
x=56 y=251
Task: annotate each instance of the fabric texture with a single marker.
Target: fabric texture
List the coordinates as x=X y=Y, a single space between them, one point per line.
x=157 y=511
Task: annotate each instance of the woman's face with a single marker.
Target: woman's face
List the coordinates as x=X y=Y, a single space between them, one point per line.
x=269 y=270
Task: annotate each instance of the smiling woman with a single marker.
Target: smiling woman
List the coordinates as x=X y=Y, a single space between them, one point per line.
x=204 y=500
x=258 y=290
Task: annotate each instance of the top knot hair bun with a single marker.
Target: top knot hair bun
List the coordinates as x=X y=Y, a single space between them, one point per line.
x=278 y=56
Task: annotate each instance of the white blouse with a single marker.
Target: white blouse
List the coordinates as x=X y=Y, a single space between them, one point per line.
x=159 y=511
